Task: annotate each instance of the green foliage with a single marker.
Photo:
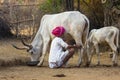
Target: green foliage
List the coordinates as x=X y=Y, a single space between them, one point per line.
x=20 y=1
x=51 y=6
x=94 y=11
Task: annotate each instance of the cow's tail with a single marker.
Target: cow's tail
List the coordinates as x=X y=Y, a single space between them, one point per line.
x=117 y=41
x=87 y=26
x=85 y=36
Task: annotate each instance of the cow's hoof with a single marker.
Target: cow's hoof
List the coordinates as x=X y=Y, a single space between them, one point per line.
x=98 y=64
x=111 y=55
x=115 y=64
x=39 y=64
x=32 y=63
x=78 y=66
x=87 y=65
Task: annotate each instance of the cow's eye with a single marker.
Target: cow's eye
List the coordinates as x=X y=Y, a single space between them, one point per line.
x=27 y=50
x=34 y=50
x=31 y=52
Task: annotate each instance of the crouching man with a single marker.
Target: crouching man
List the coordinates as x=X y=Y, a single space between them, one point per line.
x=58 y=56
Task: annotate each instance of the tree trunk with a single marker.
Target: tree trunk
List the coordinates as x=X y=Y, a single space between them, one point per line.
x=112 y=13
x=78 y=6
x=69 y=5
x=54 y=3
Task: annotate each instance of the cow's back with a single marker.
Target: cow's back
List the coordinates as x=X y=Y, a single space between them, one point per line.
x=74 y=23
x=71 y=21
x=103 y=33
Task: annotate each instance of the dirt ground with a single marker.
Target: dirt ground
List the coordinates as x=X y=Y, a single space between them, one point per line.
x=13 y=67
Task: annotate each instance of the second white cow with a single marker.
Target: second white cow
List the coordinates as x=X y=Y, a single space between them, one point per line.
x=110 y=35
x=75 y=23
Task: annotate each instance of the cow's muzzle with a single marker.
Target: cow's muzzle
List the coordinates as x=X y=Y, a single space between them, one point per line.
x=32 y=63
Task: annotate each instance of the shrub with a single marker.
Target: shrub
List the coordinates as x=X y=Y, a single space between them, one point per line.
x=51 y=6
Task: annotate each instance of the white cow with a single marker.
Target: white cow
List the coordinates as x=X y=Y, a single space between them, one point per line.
x=110 y=35
x=75 y=23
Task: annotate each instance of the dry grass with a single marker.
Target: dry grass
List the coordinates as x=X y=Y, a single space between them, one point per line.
x=9 y=56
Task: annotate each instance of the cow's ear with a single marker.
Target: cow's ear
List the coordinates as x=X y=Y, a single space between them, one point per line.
x=30 y=51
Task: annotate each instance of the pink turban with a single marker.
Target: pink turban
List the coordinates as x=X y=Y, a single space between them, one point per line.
x=58 y=31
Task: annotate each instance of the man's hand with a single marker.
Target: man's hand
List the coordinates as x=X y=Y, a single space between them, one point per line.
x=73 y=46
x=77 y=46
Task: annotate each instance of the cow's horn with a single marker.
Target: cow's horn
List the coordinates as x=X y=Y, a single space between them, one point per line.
x=103 y=1
x=24 y=48
x=30 y=46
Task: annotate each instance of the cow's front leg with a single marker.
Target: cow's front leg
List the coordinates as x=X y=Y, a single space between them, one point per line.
x=45 y=47
x=98 y=54
x=89 y=55
x=41 y=60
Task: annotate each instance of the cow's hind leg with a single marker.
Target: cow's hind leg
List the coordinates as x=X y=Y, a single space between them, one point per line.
x=80 y=52
x=114 y=49
x=78 y=40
